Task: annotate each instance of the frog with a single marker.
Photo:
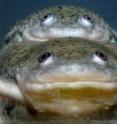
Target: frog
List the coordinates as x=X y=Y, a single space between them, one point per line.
x=59 y=22
x=64 y=79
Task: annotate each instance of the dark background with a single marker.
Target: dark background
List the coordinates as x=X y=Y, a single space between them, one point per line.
x=14 y=10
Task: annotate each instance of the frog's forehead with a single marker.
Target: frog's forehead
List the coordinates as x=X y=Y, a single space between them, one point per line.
x=70 y=11
x=66 y=48
x=74 y=48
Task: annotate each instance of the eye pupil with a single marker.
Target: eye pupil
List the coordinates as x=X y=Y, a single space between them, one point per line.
x=48 y=20
x=47 y=15
x=101 y=55
x=44 y=57
x=88 y=18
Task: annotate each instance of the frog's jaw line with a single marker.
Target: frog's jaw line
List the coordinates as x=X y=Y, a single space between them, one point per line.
x=73 y=85
x=10 y=90
x=94 y=35
x=66 y=32
x=29 y=37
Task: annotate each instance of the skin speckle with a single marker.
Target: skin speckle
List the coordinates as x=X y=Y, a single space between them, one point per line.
x=25 y=57
x=67 y=20
x=23 y=53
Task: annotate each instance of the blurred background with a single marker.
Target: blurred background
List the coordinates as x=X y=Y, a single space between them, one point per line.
x=14 y=10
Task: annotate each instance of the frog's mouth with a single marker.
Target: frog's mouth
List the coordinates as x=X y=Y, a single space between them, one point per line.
x=72 y=85
x=69 y=87
x=66 y=89
x=70 y=82
x=94 y=35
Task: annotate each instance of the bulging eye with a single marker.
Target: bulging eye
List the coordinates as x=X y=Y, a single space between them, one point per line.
x=49 y=19
x=99 y=57
x=88 y=18
x=86 y=21
x=46 y=59
x=43 y=57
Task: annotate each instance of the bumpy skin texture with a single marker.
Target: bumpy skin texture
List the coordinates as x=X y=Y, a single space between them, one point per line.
x=26 y=57
x=61 y=21
x=76 y=52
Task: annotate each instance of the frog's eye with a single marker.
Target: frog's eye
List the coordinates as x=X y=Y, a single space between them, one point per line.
x=99 y=57
x=49 y=20
x=86 y=21
x=46 y=58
